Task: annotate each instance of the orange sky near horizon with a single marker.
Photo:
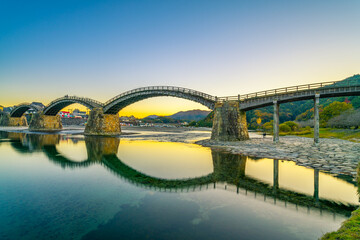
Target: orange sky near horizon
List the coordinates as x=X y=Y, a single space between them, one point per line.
x=161 y=106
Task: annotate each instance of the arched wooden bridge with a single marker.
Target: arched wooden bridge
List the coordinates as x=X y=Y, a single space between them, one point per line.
x=242 y=103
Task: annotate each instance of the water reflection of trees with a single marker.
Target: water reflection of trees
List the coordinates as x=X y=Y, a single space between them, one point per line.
x=228 y=169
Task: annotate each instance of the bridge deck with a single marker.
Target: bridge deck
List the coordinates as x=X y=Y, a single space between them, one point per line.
x=295 y=93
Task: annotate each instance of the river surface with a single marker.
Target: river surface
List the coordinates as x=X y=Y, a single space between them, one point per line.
x=76 y=187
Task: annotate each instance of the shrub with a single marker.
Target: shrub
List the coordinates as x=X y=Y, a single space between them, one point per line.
x=268 y=126
x=307 y=123
x=293 y=126
x=284 y=128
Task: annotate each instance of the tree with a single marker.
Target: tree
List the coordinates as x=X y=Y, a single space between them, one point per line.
x=192 y=124
x=292 y=125
x=268 y=127
x=355 y=102
x=284 y=128
x=334 y=109
x=347 y=119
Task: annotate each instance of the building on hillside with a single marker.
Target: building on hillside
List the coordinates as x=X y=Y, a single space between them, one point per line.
x=129 y=121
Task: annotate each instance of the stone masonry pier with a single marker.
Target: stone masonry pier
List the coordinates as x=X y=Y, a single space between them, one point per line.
x=42 y=122
x=229 y=122
x=102 y=124
x=7 y=120
x=18 y=121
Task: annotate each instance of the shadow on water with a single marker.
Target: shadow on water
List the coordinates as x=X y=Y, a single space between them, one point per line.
x=228 y=168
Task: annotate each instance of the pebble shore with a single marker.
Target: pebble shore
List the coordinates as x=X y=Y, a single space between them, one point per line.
x=335 y=156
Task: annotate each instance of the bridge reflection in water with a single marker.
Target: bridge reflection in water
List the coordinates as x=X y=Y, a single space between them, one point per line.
x=230 y=172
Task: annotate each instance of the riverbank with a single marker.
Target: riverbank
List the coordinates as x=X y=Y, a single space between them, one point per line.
x=335 y=156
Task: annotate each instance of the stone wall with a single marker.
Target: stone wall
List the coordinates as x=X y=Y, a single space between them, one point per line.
x=18 y=121
x=41 y=122
x=102 y=124
x=229 y=122
x=4 y=119
x=73 y=121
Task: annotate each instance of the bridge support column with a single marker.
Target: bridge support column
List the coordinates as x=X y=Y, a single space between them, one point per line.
x=18 y=121
x=276 y=122
x=102 y=124
x=316 y=185
x=41 y=122
x=316 y=119
x=276 y=176
x=229 y=122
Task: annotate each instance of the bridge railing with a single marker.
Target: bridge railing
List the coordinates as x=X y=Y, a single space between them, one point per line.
x=83 y=99
x=169 y=88
x=292 y=89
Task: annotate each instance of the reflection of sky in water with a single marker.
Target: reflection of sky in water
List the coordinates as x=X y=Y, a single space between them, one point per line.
x=166 y=160
x=301 y=179
x=42 y=200
x=76 y=151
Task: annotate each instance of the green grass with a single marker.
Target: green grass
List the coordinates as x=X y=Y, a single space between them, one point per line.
x=346 y=134
x=350 y=229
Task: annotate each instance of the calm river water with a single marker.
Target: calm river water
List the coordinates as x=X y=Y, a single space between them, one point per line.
x=75 y=187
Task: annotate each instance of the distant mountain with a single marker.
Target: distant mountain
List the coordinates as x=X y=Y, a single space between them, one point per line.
x=192 y=115
x=152 y=116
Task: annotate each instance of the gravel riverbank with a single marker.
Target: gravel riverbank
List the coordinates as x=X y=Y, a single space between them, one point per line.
x=331 y=155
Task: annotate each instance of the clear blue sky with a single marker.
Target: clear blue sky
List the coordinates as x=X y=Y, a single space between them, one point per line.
x=99 y=49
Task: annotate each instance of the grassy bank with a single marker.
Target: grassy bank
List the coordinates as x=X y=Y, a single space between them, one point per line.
x=350 y=229
x=346 y=134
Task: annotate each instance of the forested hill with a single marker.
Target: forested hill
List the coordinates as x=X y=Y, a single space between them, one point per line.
x=354 y=80
x=290 y=111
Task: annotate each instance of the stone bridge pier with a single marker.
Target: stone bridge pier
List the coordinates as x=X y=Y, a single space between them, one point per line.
x=229 y=122
x=7 y=120
x=42 y=122
x=18 y=121
x=102 y=124
x=99 y=123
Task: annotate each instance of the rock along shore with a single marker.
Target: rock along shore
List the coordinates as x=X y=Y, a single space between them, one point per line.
x=331 y=155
